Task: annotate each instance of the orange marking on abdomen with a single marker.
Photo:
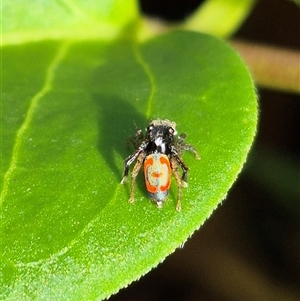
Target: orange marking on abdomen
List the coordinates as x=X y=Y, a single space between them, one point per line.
x=156 y=174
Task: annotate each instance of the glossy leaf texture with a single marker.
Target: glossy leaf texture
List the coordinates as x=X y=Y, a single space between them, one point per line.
x=68 y=231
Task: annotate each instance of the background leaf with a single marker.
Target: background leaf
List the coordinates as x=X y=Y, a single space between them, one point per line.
x=34 y=20
x=69 y=232
x=219 y=17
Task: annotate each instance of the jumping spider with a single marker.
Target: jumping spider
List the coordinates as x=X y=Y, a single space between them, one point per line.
x=159 y=151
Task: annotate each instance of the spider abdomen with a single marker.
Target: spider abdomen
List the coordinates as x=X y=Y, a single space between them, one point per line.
x=157 y=172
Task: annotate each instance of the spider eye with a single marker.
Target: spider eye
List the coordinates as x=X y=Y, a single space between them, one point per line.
x=172 y=131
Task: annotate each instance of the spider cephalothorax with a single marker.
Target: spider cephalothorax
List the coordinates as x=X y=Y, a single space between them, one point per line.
x=159 y=151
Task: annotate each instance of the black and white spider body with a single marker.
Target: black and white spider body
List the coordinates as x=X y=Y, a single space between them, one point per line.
x=159 y=151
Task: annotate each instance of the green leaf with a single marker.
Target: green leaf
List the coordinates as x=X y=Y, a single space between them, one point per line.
x=68 y=231
x=296 y=1
x=35 y=20
x=219 y=17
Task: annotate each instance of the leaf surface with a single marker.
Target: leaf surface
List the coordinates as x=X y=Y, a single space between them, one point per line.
x=69 y=232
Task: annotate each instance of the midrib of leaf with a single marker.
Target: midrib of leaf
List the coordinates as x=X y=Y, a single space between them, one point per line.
x=46 y=88
x=151 y=78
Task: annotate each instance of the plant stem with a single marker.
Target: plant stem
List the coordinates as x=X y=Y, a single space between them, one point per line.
x=271 y=67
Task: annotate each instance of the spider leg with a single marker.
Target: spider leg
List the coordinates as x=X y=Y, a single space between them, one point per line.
x=130 y=159
x=190 y=148
x=135 y=171
x=174 y=166
x=182 y=146
x=176 y=150
x=175 y=156
x=127 y=163
x=136 y=139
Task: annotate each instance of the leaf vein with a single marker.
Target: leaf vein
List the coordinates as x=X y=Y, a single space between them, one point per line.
x=147 y=69
x=46 y=88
